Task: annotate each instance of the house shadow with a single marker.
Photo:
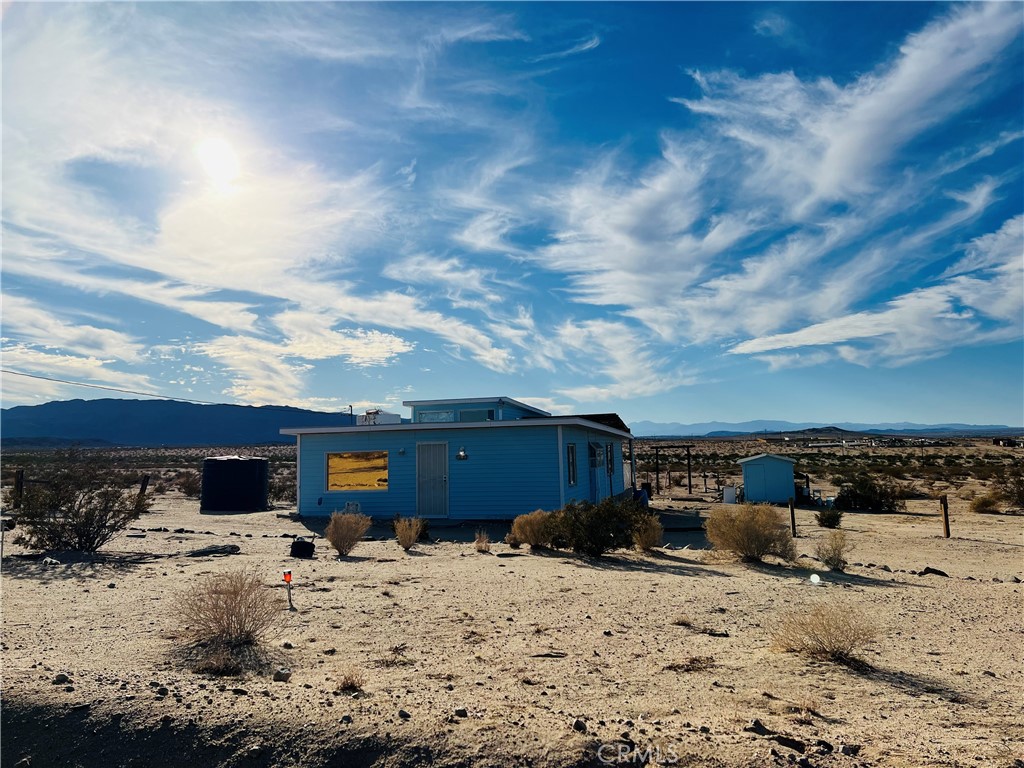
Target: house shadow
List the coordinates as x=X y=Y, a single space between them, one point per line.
x=838 y=577
x=661 y=564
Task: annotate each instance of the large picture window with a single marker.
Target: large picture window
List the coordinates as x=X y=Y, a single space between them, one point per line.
x=570 y=461
x=357 y=471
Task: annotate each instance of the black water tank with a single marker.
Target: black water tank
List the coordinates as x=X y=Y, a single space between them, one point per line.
x=235 y=484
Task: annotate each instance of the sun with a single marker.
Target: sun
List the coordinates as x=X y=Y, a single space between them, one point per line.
x=218 y=160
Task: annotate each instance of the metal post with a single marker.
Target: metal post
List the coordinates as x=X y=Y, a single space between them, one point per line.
x=944 y=504
x=792 y=516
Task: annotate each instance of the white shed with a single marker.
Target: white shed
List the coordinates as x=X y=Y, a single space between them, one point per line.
x=767 y=477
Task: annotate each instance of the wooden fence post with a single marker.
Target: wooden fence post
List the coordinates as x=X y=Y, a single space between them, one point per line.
x=792 y=516
x=141 y=498
x=19 y=488
x=944 y=504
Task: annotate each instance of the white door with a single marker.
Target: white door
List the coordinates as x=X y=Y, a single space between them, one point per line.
x=432 y=479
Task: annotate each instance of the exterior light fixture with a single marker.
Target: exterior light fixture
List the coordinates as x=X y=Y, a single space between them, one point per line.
x=461 y=455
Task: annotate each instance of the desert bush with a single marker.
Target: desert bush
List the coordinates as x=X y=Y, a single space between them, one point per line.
x=1010 y=486
x=829 y=517
x=752 y=531
x=825 y=631
x=350 y=680
x=833 y=549
x=344 y=531
x=987 y=504
x=190 y=483
x=283 y=487
x=648 y=532
x=513 y=541
x=407 y=530
x=864 y=492
x=482 y=541
x=228 y=610
x=80 y=507
x=593 y=529
x=533 y=528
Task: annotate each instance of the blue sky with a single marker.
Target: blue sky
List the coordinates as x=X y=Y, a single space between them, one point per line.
x=675 y=211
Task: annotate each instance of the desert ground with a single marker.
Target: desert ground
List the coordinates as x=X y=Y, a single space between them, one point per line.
x=516 y=657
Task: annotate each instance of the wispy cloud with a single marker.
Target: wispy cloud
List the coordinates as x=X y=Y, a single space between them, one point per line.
x=581 y=46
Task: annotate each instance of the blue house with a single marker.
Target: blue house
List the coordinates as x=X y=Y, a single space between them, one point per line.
x=767 y=477
x=463 y=459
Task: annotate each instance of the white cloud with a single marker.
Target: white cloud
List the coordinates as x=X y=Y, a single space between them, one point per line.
x=581 y=46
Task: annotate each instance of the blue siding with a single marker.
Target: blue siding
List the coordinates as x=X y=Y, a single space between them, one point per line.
x=767 y=479
x=508 y=472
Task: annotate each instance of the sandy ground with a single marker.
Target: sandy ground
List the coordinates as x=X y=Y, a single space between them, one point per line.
x=520 y=658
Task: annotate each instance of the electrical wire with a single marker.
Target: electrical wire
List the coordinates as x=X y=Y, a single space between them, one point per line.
x=284 y=409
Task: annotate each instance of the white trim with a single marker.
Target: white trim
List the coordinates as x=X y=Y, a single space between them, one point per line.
x=298 y=474
x=466 y=400
x=767 y=456
x=561 y=470
x=553 y=421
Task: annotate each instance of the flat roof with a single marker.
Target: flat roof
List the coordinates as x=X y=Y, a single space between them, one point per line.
x=550 y=421
x=468 y=400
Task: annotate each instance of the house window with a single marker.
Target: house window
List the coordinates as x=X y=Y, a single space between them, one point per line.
x=434 y=417
x=480 y=415
x=609 y=457
x=357 y=471
x=570 y=460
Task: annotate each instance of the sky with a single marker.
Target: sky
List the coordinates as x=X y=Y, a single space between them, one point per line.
x=678 y=212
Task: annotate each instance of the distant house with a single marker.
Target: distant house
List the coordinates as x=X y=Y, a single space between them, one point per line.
x=462 y=459
x=767 y=477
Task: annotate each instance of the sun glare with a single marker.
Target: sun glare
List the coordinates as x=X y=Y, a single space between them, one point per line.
x=218 y=160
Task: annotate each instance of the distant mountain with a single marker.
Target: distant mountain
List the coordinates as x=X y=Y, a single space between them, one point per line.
x=724 y=429
x=154 y=423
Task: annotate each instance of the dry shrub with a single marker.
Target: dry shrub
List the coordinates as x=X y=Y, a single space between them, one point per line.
x=190 y=483
x=349 y=681
x=344 y=531
x=407 y=530
x=513 y=541
x=986 y=505
x=533 y=528
x=647 y=532
x=825 y=631
x=829 y=517
x=228 y=609
x=482 y=542
x=833 y=549
x=752 y=531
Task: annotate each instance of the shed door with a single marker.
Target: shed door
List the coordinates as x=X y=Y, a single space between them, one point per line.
x=753 y=483
x=432 y=479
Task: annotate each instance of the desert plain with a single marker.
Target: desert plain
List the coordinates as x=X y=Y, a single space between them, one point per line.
x=518 y=657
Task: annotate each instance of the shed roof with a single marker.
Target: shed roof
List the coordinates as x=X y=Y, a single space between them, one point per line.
x=767 y=456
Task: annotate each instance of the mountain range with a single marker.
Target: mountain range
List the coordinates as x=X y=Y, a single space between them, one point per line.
x=729 y=429
x=150 y=423
x=154 y=423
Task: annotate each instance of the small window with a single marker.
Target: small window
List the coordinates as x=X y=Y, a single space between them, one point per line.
x=570 y=460
x=609 y=454
x=357 y=471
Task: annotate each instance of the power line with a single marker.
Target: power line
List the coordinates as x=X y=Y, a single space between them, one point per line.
x=283 y=409
x=108 y=389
